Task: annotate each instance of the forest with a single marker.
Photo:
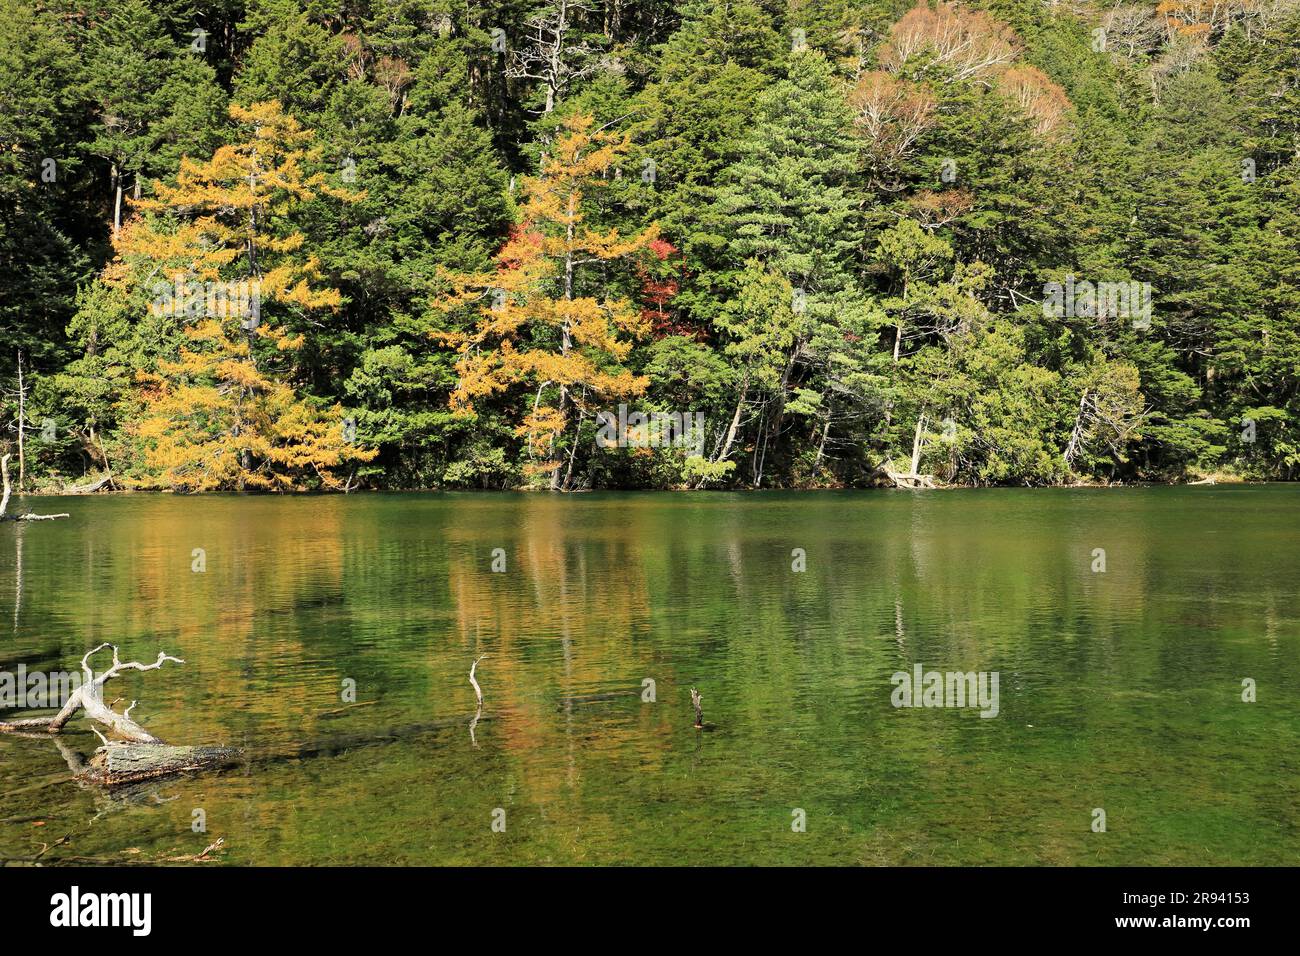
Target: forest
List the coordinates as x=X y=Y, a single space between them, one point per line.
x=297 y=245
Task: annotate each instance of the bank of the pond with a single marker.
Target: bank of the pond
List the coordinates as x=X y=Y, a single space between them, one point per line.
x=1218 y=479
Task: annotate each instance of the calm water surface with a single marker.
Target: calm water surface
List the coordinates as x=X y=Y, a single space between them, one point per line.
x=1119 y=690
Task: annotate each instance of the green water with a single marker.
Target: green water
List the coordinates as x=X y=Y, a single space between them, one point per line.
x=1118 y=690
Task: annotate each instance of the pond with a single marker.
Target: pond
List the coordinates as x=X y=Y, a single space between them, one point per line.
x=332 y=638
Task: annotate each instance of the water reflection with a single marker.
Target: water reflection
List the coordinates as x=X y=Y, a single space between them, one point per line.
x=1118 y=688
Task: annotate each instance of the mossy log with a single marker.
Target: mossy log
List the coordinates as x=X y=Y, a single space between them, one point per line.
x=121 y=763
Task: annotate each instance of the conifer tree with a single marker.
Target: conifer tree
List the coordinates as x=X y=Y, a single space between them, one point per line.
x=223 y=413
x=546 y=320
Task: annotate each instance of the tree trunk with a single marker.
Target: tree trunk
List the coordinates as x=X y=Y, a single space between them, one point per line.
x=916 y=444
x=725 y=448
x=1076 y=433
x=733 y=427
x=4 y=501
x=821 y=445
x=103 y=455
x=911 y=478
x=22 y=427
x=566 y=339
x=120 y=763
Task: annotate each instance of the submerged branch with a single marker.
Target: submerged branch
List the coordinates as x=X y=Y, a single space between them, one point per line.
x=478 y=692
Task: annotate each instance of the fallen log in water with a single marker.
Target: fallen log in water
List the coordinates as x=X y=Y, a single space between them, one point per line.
x=121 y=763
x=143 y=756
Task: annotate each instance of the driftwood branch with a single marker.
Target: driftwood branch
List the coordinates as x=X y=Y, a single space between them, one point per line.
x=903 y=479
x=911 y=478
x=139 y=755
x=478 y=692
x=8 y=490
x=90 y=697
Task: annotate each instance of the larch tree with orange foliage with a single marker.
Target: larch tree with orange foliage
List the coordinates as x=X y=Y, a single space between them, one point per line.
x=541 y=321
x=225 y=267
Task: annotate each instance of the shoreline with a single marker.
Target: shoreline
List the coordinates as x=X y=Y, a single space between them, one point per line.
x=1081 y=485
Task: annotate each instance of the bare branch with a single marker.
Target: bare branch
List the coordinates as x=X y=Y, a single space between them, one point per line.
x=477 y=690
x=89 y=697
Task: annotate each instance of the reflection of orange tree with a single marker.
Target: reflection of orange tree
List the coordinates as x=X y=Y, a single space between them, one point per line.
x=574 y=580
x=261 y=556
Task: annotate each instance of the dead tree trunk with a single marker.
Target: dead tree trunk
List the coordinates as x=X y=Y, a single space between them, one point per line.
x=912 y=479
x=90 y=697
x=1076 y=433
x=4 y=501
x=131 y=763
x=916 y=443
x=22 y=427
x=478 y=693
x=141 y=756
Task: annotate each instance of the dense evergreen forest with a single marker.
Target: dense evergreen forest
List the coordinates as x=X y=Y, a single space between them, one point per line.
x=568 y=244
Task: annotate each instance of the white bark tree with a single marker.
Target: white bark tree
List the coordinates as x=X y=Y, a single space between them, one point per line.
x=555 y=53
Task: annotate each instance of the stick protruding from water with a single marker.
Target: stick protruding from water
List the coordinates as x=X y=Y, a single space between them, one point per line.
x=699 y=712
x=478 y=691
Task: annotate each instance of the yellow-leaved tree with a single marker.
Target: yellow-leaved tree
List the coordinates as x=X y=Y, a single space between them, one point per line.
x=227 y=270
x=540 y=320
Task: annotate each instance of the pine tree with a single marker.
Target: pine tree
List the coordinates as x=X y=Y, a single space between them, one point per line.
x=788 y=203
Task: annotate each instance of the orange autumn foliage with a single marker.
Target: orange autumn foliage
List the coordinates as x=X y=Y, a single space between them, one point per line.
x=222 y=414
x=533 y=326
x=1037 y=96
